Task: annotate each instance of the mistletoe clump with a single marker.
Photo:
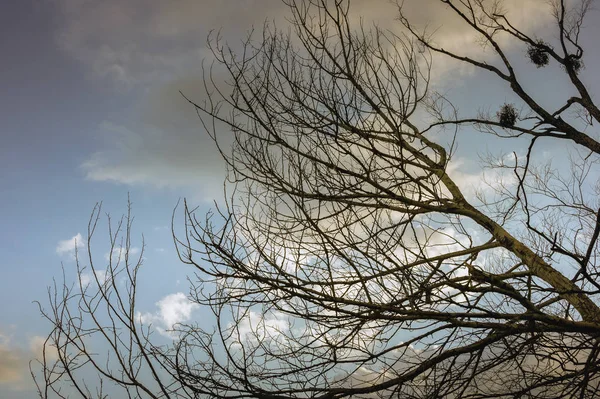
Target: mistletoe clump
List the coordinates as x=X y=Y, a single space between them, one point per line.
x=538 y=54
x=574 y=62
x=507 y=116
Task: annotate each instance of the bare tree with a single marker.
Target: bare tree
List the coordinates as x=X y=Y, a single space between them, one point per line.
x=347 y=261
x=98 y=312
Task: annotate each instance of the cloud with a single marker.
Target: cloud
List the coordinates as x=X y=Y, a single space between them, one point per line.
x=145 y=42
x=164 y=146
x=151 y=42
x=37 y=346
x=173 y=309
x=13 y=363
x=14 y=360
x=499 y=370
x=118 y=254
x=157 y=47
x=256 y=327
x=68 y=247
x=142 y=42
x=171 y=156
x=87 y=278
x=450 y=32
x=487 y=183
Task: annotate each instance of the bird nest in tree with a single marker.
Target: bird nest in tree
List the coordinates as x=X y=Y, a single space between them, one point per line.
x=538 y=54
x=507 y=116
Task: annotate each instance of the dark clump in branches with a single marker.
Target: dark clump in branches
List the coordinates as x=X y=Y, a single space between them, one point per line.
x=573 y=62
x=538 y=54
x=507 y=116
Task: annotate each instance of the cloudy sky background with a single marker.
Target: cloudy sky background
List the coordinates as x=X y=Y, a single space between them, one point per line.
x=90 y=111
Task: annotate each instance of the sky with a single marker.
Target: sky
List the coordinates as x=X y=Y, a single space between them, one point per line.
x=90 y=111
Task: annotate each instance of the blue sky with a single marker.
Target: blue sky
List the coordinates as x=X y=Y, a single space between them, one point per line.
x=90 y=111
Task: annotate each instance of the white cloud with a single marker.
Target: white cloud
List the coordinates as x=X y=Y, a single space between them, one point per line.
x=551 y=359
x=118 y=254
x=256 y=327
x=68 y=247
x=38 y=348
x=476 y=181
x=173 y=309
x=87 y=278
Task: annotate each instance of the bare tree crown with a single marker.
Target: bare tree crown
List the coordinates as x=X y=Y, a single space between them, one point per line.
x=348 y=260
